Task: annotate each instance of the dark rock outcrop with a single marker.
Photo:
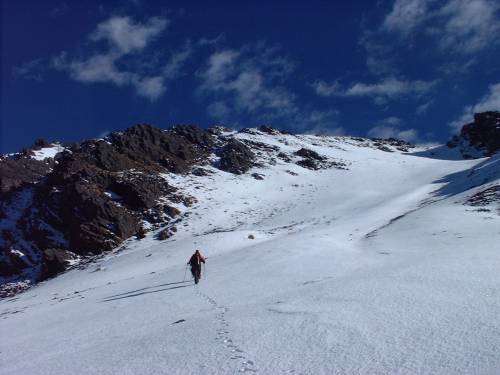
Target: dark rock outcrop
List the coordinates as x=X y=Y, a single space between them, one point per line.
x=94 y=195
x=308 y=164
x=175 y=149
x=54 y=262
x=483 y=134
x=19 y=170
x=309 y=154
x=310 y=159
x=236 y=157
x=383 y=144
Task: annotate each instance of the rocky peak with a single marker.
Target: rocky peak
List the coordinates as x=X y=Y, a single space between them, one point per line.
x=482 y=135
x=89 y=197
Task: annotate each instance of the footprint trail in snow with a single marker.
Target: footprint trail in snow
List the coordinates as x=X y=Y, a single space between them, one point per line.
x=225 y=338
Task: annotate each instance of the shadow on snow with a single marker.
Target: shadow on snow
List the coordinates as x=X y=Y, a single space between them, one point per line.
x=482 y=173
x=142 y=291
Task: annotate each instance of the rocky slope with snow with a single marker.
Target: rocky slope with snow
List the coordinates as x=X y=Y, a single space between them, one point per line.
x=324 y=255
x=62 y=205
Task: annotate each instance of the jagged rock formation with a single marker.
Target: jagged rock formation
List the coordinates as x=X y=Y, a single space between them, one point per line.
x=481 y=135
x=20 y=170
x=92 y=195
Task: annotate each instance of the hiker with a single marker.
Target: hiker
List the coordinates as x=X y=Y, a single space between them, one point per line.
x=195 y=263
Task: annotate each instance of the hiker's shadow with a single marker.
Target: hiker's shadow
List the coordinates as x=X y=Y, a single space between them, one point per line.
x=142 y=291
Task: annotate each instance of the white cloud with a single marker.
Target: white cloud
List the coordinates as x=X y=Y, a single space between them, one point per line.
x=150 y=87
x=97 y=68
x=461 y=26
x=406 y=16
x=452 y=32
x=126 y=36
x=470 y=25
x=251 y=81
x=323 y=88
x=489 y=102
x=388 y=88
x=247 y=81
x=120 y=64
x=385 y=131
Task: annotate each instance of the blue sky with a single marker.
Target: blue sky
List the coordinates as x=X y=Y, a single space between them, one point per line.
x=413 y=69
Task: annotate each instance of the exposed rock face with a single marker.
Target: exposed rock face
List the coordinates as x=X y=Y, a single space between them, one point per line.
x=175 y=149
x=482 y=135
x=309 y=154
x=21 y=170
x=312 y=160
x=383 y=143
x=92 y=196
x=236 y=157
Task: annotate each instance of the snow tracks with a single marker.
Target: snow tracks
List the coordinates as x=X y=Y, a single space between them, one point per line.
x=225 y=338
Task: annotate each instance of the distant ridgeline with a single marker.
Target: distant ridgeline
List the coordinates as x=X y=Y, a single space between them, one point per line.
x=61 y=205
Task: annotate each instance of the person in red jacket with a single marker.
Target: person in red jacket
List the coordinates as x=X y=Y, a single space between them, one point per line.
x=195 y=262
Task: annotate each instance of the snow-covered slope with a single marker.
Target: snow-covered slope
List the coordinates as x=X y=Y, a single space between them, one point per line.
x=379 y=268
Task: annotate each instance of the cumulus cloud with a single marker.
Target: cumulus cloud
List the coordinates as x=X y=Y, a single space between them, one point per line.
x=489 y=102
x=97 y=68
x=149 y=87
x=120 y=63
x=454 y=31
x=461 y=26
x=125 y=35
x=387 y=89
x=469 y=25
x=406 y=16
x=252 y=82
x=247 y=81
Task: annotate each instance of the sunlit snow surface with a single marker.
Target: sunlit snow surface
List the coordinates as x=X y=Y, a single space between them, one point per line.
x=47 y=152
x=373 y=270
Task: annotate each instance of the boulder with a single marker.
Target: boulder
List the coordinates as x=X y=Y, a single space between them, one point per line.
x=309 y=154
